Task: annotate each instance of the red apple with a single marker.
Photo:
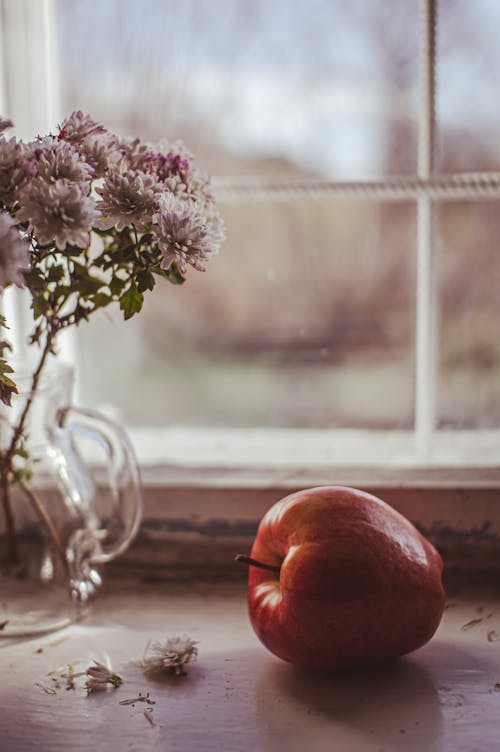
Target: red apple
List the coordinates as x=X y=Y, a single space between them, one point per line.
x=348 y=581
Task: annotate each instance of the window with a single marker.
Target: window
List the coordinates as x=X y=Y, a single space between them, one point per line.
x=351 y=315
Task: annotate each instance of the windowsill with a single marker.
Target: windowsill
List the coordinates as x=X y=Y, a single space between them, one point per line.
x=205 y=491
x=238 y=696
x=260 y=459
x=303 y=452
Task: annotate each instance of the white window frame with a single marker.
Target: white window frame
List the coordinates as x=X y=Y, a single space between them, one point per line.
x=29 y=94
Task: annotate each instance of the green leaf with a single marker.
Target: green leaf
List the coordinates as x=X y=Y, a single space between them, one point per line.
x=5 y=368
x=131 y=301
x=40 y=306
x=7 y=386
x=145 y=281
x=72 y=250
x=173 y=274
x=35 y=281
x=85 y=284
x=55 y=273
x=22 y=452
x=128 y=251
x=116 y=285
x=101 y=300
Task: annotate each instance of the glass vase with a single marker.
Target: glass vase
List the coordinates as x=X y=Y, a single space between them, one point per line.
x=58 y=521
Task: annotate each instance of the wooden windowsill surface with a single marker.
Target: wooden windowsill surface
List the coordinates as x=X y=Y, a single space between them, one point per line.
x=238 y=697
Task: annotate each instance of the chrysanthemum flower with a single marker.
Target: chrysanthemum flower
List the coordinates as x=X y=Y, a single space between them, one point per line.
x=14 y=253
x=182 y=234
x=172 y=655
x=128 y=198
x=5 y=123
x=61 y=212
x=16 y=168
x=101 y=152
x=59 y=159
x=77 y=127
x=134 y=154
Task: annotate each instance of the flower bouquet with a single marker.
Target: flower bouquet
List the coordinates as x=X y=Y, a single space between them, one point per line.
x=89 y=220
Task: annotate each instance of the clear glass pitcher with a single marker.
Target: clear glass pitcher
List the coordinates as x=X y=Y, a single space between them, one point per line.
x=58 y=521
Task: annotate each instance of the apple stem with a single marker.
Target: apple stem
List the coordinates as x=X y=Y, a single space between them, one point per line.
x=255 y=563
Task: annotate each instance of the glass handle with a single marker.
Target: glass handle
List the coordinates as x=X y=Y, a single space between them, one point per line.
x=116 y=513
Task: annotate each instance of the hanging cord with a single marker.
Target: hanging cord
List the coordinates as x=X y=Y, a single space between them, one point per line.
x=406 y=188
x=427 y=88
x=426 y=348
x=467 y=185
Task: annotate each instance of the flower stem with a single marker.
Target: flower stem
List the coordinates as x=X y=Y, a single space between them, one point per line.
x=46 y=521
x=18 y=430
x=6 y=459
x=10 y=529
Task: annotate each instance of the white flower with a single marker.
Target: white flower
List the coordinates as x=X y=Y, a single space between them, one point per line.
x=14 y=253
x=128 y=198
x=181 y=233
x=100 y=678
x=59 y=212
x=172 y=655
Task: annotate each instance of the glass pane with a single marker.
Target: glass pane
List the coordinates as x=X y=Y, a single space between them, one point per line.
x=468 y=80
x=318 y=87
x=470 y=311
x=306 y=319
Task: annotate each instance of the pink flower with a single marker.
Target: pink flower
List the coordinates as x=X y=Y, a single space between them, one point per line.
x=128 y=198
x=16 y=168
x=5 y=124
x=135 y=154
x=181 y=234
x=14 y=253
x=59 y=159
x=61 y=212
x=166 y=166
x=77 y=127
x=101 y=152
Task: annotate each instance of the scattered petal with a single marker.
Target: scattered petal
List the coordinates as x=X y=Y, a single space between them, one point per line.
x=100 y=678
x=140 y=698
x=470 y=624
x=47 y=690
x=172 y=655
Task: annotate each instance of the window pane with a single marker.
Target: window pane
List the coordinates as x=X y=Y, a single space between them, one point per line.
x=310 y=86
x=306 y=318
x=470 y=311
x=468 y=80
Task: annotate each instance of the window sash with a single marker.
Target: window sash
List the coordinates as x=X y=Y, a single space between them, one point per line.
x=29 y=94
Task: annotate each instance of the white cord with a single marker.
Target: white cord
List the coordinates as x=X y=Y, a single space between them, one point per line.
x=406 y=188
